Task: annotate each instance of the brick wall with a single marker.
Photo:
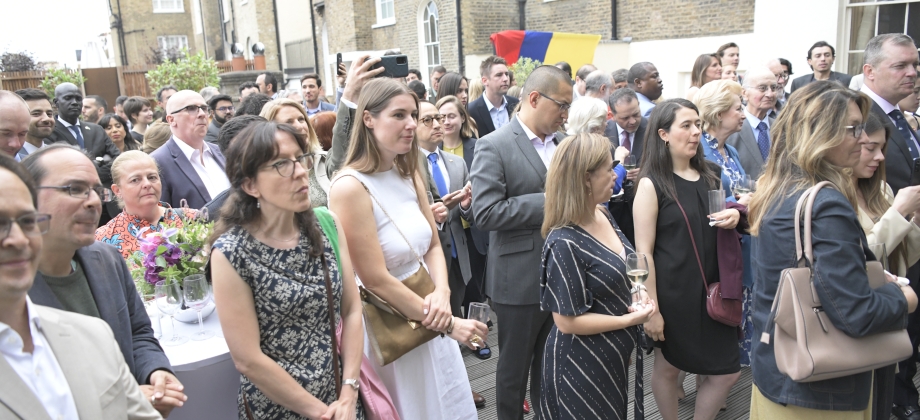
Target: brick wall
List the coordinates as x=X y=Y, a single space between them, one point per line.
x=482 y=18
x=646 y=20
x=575 y=16
x=142 y=27
x=255 y=21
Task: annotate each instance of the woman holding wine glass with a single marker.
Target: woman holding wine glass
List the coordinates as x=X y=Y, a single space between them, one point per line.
x=671 y=212
x=584 y=284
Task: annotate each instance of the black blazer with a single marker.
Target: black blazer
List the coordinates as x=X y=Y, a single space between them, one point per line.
x=119 y=306
x=638 y=140
x=898 y=162
x=96 y=143
x=480 y=113
x=801 y=81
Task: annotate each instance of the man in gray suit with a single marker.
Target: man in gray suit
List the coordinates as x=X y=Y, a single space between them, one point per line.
x=78 y=274
x=753 y=141
x=508 y=178
x=821 y=58
x=626 y=130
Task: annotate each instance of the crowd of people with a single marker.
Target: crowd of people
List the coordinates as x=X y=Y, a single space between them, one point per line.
x=536 y=197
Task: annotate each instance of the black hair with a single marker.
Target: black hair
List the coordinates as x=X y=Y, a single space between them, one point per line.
x=270 y=80
x=247 y=85
x=100 y=101
x=164 y=89
x=32 y=94
x=820 y=44
x=565 y=67
x=419 y=89
x=212 y=103
x=416 y=73
x=624 y=95
x=314 y=76
x=130 y=143
x=233 y=127
x=253 y=104
x=120 y=100
x=787 y=63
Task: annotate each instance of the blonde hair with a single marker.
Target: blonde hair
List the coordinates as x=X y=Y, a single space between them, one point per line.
x=586 y=114
x=714 y=99
x=812 y=124
x=466 y=129
x=272 y=108
x=122 y=160
x=476 y=89
x=574 y=160
x=363 y=154
x=157 y=134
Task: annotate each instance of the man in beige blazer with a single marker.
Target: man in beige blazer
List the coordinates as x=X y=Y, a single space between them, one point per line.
x=53 y=364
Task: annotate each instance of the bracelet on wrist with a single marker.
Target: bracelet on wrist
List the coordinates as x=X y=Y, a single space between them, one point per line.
x=450 y=327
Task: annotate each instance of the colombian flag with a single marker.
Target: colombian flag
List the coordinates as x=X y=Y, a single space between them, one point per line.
x=547 y=47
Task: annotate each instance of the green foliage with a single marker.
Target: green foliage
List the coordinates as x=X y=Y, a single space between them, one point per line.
x=18 y=61
x=55 y=77
x=522 y=69
x=191 y=72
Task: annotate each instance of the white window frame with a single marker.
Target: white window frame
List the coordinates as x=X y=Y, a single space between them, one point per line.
x=196 y=17
x=425 y=64
x=162 y=6
x=164 y=41
x=382 y=6
x=848 y=20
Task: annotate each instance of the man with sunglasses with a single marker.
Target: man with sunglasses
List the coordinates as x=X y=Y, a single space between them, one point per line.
x=78 y=274
x=221 y=111
x=760 y=92
x=191 y=169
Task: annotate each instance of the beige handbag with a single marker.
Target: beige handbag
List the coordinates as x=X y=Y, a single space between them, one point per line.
x=808 y=347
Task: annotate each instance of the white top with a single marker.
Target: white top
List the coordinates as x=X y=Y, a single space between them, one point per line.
x=212 y=175
x=545 y=147
x=40 y=369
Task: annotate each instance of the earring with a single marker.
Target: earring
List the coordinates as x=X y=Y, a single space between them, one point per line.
x=667 y=143
x=258 y=205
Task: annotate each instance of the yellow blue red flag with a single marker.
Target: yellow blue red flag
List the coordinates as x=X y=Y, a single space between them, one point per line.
x=547 y=47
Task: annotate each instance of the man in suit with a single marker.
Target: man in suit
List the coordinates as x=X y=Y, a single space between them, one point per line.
x=436 y=74
x=79 y=274
x=493 y=109
x=54 y=364
x=42 y=120
x=645 y=80
x=889 y=73
x=753 y=141
x=14 y=124
x=782 y=77
x=221 y=111
x=508 y=178
x=267 y=84
x=821 y=57
x=190 y=168
x=312 y=88
x=94 y=107
x=626 y=132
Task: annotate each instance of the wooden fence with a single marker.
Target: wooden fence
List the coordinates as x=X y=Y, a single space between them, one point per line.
x=132 y=79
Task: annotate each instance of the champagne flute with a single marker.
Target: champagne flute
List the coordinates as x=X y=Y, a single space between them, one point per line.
x=716 y=204
x=169 y=298
x=630 y=162
x=479 y=312
x=197 y=294
x=637 y=271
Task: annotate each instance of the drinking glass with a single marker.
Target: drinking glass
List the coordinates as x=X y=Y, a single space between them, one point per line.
x=197 y=295
x=716 y=204
x=637 y=271
x=169 y=299
x=881 y=254
x=479 y=312
x=742 y=185
x=630 y=162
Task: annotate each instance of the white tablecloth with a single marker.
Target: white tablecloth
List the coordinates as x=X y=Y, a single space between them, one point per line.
x=205 y=369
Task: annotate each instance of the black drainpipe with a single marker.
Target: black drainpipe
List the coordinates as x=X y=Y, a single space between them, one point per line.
x=278 y=41
x=613 y=19
x=459 y=39
x=522 y=18
x=313 y=35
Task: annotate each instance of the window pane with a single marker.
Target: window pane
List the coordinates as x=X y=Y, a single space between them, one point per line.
x=913 y=22
x=433 y=24
x=855 y=63
x=862 y=26
x=436 y=54
x=891 y=18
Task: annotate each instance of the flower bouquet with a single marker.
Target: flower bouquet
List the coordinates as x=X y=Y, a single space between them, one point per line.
x=171 y=254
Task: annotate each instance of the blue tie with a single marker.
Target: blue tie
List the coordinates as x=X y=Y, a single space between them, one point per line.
x=442 y=190
x=904 y=129
x=75 y=129
x=763 y=140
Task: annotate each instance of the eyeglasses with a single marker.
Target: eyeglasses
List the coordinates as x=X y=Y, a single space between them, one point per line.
x=224 y=109
x=30 y=224
x=285 y=167
x=427 y=120
x=563 y=107
x=857 y=129
x=82 y=191
x=764 y=88
x=191 y=109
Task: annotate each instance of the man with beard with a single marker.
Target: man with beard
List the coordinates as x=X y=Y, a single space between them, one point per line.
x=42 y=123
x=94 y=107
x=645 y=80
x=493 y=109
x=221 y=112
x=14 y=123
x=312 y=88
x=821 y=58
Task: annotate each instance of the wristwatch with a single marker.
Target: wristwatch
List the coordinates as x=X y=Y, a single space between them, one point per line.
x=353 y=383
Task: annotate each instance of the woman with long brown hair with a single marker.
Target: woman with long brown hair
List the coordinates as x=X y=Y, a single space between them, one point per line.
x=381 y=201
x=706 y=68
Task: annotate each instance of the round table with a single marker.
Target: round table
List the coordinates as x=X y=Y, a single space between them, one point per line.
x=205 y=368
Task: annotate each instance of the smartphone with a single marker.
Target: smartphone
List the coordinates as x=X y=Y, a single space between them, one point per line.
x=393 y=66
x=915 y=173
x=338 y=65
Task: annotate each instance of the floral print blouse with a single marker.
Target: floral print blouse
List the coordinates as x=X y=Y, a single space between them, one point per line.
x=121 y=232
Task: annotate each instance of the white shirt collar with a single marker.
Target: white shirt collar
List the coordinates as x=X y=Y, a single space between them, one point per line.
x=427 y=153
x=754 y=121
x=531 y=135
x=188 y=151
x=30 y=148
x=67 y=124
x=882 y=103
x=34 y=321
x=489 y=105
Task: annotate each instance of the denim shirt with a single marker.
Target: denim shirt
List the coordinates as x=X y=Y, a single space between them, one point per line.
x=842 y=286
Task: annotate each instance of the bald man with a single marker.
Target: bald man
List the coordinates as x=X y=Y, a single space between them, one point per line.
x=14 y=123
x=190 y=168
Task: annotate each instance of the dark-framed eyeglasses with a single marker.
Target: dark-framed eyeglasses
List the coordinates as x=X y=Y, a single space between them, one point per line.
x=427 y=120
x=856 y=130
x=285 y=167
x=82 y=191
x=192 y=109
x=225 y=109
x=31 y=224
x=563 y=107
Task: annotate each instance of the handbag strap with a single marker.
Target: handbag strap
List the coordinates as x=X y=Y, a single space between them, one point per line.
x=808 y=200
x=335 y=349
x=695 y=252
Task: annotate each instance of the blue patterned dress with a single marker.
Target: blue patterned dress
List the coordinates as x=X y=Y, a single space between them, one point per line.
x=290 y=302
x=585 y=376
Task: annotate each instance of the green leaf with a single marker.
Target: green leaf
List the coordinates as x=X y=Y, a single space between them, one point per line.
x=161 y=249
x=161 y=262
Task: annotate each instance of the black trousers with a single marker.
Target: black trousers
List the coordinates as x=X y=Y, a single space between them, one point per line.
x=905 y=393
x=475 y=289
x=522 y=336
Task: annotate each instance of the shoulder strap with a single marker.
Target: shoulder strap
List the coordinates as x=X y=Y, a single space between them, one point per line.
x=695 y=251
x=332 y=336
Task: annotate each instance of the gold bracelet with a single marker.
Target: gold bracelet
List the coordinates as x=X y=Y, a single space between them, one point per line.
x=450 y=327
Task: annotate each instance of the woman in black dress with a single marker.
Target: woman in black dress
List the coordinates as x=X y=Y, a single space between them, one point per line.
x=584 y=284
x=675 y=174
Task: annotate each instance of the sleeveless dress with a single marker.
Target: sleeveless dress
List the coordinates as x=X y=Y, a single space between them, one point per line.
x=429 y=382
x=694 y=342
x=289 y=291
x=585 y=376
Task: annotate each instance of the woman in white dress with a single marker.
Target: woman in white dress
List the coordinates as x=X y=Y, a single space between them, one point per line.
x=379 y=222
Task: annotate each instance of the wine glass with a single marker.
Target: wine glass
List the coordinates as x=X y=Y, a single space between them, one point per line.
x=169 y=298
x=479 y=312
x=716 y=204
x=630 y=162
x=637 y=271
x=197 y=295
x=742 y=185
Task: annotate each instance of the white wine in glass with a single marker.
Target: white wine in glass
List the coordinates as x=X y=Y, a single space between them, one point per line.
x=630 y=162
x=637 y=272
